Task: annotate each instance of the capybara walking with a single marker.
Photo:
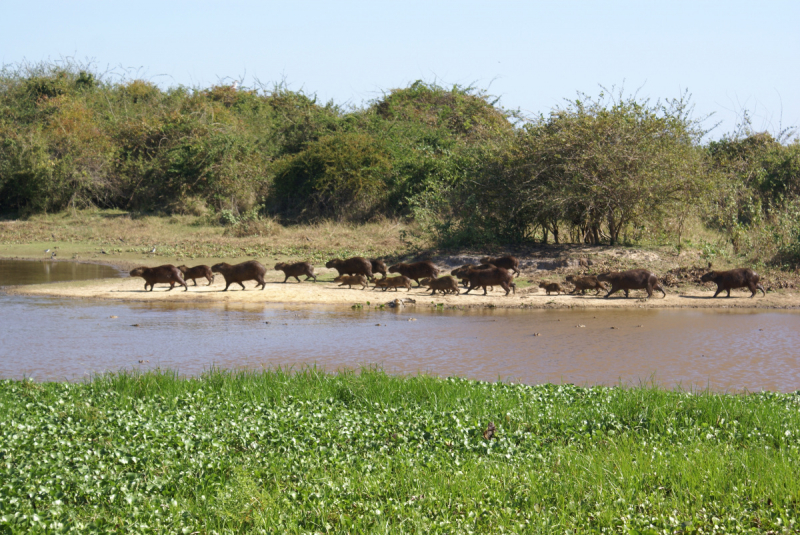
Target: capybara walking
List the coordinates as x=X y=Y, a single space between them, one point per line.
x=296 y=270
x=735 y=278
x=166 y=274
x=197 y=272
x=378 y=267
x=586 y=283
x=416 y=270
x=506 y=262
x=634 y=279
x=461 y=273
x=246 y=271
x=551 y=287
x=350 y=280
x=445 y=284
x=490 y=277
x=393 y=282
x=351 y=266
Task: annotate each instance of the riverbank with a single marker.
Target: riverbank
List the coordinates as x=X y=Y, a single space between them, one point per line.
x=327 y=292
x=364 y=452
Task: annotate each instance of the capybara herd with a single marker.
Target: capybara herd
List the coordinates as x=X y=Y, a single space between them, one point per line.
x=491 y=272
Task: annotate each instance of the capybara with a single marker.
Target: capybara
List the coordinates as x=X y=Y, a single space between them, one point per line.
x=378 y=267
x=634 y=279
x=393 y=282
x=296 y=270
x=197 y=272
x=735 y=278
x=351 y=266
x=166 y=274
x=461 y=273
x=445 y=284
x=246 y=271
x=506 y=262
x=589 y=282
x=416 y=270
x=551 y=287
x=490 y=277
x=350 y=280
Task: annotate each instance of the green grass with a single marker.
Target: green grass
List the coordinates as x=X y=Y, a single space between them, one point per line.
x=366 y=452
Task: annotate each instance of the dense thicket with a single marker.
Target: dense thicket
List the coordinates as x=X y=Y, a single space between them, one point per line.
x=597 y=170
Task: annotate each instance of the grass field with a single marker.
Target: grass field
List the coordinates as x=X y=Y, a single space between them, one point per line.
x=307 y=452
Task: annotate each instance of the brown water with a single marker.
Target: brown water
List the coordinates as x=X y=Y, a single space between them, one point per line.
x=56 y=339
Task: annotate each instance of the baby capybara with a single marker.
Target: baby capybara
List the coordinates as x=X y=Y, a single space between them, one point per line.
x=490 y=277
x=416 y=270
x=551 y=287
x=296 y=270
x=506 y=262
x=634 y=279
x=166 y=274
x=378 y=267
x=350 y=280
x=197 y=272
x=394 y=282
x=246 y=271
x=351 y=266
x=586 y=283
x=445 y=284
x=735 y=278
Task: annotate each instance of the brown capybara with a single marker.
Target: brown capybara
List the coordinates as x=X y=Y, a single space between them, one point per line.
x=393 y=282
x=445 y=284
x=350 y=280
x=296 y=270
x=582 y=284
x=166 y=274
x=378 y=267
x=461 y=273
x=506 y=262
x=351 y=266
x=416 y=271
x=490 y=277
x=633 y=279
x=551 y=287
x=197 y=272
x=735 y=278
x=252 y=270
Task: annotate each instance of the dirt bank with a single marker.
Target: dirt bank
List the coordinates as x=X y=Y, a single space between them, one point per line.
x=330 y=293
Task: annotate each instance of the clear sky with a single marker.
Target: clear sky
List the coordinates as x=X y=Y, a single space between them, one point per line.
x=731 y=56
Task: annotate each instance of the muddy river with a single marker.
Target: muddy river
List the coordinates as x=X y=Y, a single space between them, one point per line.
x=65 y=339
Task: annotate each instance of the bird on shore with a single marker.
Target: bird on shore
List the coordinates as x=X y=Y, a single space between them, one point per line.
x=153 y=250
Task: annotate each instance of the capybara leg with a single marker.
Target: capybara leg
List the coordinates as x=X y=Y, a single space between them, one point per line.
x=729 y=293
x=211 y=280
x=298 y=278
x=719 y=290
x=611 y=291
x=226 y=286
x=262 y=282
x=286 y=279
x=242 y=285
x=506 y=287
x=758 y=286
x=171 y=286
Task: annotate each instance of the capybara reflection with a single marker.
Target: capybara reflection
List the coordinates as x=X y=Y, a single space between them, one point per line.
x=296 y=270
x=582 y=284
x=490 y=277
x=735 y=278
x=351 y=266
x=551 y=287
x=461 y=273
x=445 y=284
x=197 y=272
x=350 y=280
x=506 y=262
x=166 y=274
x=252 y=270
x=416 y=270
x=393 y=282
x=378 y=267
x=633 y=279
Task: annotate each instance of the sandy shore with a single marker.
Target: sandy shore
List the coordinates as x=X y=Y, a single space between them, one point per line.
x=330 y=293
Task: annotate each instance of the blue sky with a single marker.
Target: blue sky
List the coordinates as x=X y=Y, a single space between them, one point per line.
x=731 y=56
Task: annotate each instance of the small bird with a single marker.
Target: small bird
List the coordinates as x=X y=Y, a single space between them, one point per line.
x=235 y=85
x=489 y=433
x=153 y=250
x=103 y=251
x=52 y=255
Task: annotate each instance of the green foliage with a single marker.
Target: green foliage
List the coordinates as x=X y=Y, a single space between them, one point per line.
x=366 y=452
